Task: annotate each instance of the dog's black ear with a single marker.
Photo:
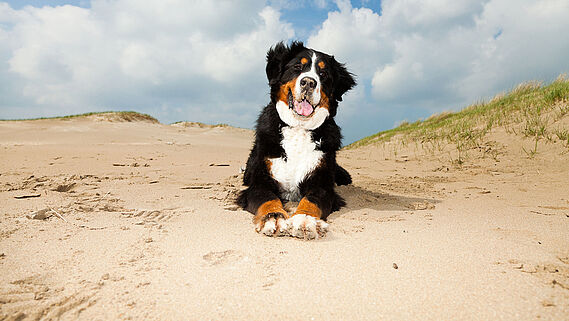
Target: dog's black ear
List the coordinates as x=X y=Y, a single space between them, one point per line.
x=277 y=58
x=344 y=80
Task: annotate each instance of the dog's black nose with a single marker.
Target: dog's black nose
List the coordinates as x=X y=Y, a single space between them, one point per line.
x=307 y=83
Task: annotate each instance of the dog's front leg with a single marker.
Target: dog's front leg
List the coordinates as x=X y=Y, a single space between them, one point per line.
x=271 y=218
x=261 y=199
x=306 y=222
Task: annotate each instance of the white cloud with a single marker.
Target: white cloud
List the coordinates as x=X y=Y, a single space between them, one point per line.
x=298 y=4
x=321 y=3
x=444 y=54
x=354 y=36
x=410 y=16
x=138 y=55
x=478 y=53
x=513 y=43
x=421 y=57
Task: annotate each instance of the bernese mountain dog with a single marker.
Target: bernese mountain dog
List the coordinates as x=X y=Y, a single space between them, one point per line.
x=294 y=154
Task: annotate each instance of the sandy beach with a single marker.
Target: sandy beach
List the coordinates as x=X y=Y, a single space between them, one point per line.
x=106 y=219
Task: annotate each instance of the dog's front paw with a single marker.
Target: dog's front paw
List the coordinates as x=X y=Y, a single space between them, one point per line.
x=273 y=224
x=307 y=227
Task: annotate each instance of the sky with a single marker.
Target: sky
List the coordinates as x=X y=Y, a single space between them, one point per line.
x=204 y=60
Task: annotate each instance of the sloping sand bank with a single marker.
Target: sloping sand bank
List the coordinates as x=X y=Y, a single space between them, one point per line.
x=140 y=225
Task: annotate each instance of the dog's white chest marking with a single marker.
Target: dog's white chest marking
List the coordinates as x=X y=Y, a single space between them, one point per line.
x=302 y=158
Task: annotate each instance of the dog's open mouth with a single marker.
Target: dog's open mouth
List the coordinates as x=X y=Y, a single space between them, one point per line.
x=301 y=108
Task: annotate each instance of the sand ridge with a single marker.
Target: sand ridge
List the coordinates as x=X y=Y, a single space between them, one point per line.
x=140 y=224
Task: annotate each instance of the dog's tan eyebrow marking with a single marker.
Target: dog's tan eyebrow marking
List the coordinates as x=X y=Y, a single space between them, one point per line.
x=303 y=61
x=321 y=64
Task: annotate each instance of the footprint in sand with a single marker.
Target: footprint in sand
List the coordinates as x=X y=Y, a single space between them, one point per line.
x=152 y=216
x=223 y=258
x=38 y=301
x=555 y=274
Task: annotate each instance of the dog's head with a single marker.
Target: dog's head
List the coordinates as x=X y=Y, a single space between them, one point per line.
x=306 y=84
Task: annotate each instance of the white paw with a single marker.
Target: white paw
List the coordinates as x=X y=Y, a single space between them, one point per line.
x=273 y=226
x=307 y=227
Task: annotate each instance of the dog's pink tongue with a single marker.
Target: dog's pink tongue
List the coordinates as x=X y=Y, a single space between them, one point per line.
x=303 y=108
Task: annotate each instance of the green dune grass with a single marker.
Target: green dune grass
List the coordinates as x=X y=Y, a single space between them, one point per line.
x=531 y=110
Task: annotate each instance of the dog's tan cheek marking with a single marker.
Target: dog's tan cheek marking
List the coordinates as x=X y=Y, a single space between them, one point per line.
x=285 y=88
x=269 y=165
x=273 y=206
x=307 y=207
x=324 y=101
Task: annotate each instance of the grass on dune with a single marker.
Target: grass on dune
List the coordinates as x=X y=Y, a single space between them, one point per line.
x=530 y=110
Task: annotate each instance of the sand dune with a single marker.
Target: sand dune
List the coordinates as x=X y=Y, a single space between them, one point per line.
x=138 y=223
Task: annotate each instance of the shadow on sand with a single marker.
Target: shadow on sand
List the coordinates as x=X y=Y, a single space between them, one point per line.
x=358 y=198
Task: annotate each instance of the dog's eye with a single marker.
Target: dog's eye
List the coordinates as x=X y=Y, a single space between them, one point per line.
x=298 y=67
x=322 y=74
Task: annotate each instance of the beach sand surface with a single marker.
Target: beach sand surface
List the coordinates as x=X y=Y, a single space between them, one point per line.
x=109 y=220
